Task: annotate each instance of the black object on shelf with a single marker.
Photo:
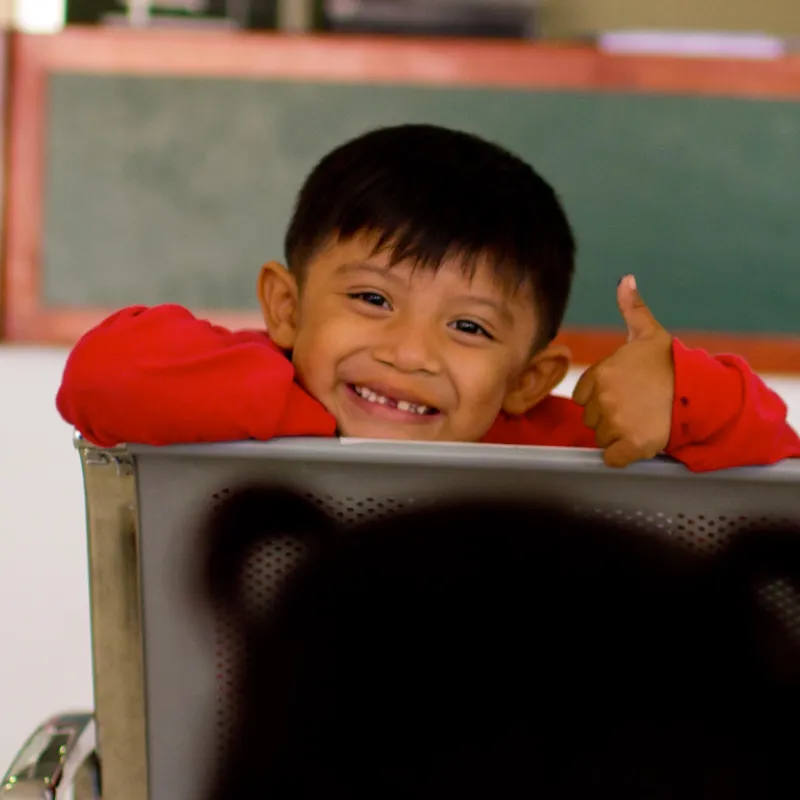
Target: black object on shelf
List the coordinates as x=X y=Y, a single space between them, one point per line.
x=433 y=18
x=251 y=14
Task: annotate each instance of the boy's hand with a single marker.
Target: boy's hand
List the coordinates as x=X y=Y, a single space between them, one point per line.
x=628 y=396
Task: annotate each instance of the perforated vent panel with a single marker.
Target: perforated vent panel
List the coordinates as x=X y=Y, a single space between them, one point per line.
x=698 y=532
x=271 y=564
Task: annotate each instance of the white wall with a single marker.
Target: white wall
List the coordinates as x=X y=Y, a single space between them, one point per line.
x=45 y=664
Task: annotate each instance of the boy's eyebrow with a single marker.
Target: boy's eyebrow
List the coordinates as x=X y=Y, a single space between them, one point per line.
x=498 y=308
x=363 y=266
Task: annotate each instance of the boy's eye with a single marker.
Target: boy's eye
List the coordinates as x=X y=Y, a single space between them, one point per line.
x=373 y=298
x=471 y=328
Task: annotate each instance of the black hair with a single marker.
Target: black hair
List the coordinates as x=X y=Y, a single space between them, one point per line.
x=429 y=193
x=489 y=649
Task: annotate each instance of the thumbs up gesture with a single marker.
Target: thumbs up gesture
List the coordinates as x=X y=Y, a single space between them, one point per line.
x=628 y=396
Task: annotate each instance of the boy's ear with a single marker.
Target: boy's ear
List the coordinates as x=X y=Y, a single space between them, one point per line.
x=538 y=379
x=278 y=294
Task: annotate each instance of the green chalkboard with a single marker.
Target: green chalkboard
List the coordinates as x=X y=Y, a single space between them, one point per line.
x=177 y=189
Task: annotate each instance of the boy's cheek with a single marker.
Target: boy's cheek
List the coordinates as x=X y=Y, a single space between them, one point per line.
x=477 y=413
x=310 y=371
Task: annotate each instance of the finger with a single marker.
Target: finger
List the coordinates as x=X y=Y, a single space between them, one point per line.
x=620 y=453
x=584 y=388
x=592 y=414
x=638 y=318
x=606 y=434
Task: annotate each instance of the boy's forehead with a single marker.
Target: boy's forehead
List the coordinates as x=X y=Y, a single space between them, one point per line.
x=470 y=274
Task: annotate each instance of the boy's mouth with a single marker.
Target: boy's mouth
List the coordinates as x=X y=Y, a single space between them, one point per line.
x=371 y=396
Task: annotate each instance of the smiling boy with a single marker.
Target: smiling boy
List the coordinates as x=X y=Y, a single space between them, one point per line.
x=428 y=274
x=404 y=352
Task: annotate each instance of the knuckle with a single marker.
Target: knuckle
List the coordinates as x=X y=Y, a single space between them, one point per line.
x=651 y=451
x=643 y=446
x=608 y=402
x=637 y=444
x=601 y=372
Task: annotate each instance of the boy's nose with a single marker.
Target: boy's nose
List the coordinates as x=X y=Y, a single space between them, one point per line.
x=408 y=349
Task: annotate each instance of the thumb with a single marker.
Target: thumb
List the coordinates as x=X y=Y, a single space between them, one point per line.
x=638 y=318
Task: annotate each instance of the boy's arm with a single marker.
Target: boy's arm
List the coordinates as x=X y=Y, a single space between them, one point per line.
x=161 y=376
x=654 y=395
x=723 y=415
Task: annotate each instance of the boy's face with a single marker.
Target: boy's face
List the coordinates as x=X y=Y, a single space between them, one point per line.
x=408 y=353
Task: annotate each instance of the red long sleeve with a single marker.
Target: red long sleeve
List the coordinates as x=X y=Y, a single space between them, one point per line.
x=161 y=376
x=724 y=415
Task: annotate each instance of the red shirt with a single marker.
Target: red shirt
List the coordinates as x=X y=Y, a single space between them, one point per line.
x=161 y=376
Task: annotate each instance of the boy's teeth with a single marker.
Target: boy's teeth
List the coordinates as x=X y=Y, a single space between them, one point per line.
x=400 y=405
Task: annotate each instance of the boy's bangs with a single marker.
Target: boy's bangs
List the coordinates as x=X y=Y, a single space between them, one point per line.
x=429 y=252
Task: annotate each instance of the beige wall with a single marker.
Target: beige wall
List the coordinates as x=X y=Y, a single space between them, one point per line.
x=562 y=18
x=7 y=13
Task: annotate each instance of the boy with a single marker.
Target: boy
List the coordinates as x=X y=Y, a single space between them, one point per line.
x=428 y=273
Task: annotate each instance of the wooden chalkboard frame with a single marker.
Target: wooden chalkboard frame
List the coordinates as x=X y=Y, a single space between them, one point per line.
x=338 y=59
